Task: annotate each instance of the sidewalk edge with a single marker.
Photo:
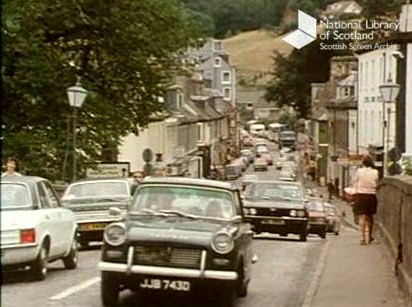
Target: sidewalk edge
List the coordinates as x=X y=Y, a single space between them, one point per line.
x=314 y=284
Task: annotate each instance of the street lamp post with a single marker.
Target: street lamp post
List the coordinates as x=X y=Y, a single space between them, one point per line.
x=76 y=95
x=389 y=92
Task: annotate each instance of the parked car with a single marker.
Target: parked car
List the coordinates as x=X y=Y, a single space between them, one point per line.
x=248 y=154
x=333 y=219
x=90 y=200
x=279 y=162
x=233 y=171
x=35 y=228
x=317 y=217
x=180 y=235
x=260 y=150
x=248 y=179
x=268 y=157
x=248 y=141
x=260 y=164
x=277 y=207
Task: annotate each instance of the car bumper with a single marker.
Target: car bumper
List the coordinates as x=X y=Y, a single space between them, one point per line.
x=286 y=224
x=316 y=228
x=167 y=272
x=15 y=255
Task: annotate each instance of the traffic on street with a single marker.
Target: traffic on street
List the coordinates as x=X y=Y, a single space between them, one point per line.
x=281 y=266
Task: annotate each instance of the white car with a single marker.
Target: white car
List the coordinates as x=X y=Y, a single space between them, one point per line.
x=35 y=228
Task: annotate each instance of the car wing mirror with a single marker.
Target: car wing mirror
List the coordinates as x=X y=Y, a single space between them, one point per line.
x=236 y=219
x=115 y=211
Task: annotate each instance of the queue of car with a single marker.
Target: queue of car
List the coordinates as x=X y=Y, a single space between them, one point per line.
x=173 y=234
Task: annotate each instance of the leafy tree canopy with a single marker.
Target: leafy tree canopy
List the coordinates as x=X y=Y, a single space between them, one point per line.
x=124 y=53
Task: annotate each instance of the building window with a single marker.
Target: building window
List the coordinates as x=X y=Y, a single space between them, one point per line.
x=218 y=62
x=226 y=77
x=346 y=91
x=179 y=100
x=200 y=132
x=227 y=92
x=217 y=45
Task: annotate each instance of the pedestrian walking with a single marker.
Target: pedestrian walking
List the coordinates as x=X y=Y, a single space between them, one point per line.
x=331 y=189
x=364 y=184
x=12 y=167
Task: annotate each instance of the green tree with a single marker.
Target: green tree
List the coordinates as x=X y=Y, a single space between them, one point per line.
x=124 y=53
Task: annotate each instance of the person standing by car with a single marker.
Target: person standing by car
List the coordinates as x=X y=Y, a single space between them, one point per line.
x=365 y=183
x=11 y=168
x=137 y=180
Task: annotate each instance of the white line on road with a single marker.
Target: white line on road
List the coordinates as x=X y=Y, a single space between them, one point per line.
x=313 y=287
x=77 y=288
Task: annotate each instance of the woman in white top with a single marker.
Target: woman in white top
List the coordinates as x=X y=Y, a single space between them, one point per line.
x=11 y=168
x=365 y=183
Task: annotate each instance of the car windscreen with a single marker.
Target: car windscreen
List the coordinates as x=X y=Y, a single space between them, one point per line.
x=194 y=201
x=97 y=189
x=14 y=196
x=272 y=190
x=315 y=206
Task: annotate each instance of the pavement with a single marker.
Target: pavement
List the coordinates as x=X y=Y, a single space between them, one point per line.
x=352 y=275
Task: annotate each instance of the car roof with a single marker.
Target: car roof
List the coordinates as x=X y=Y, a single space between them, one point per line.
x=190 y=181
x=297 y=183
x=102 y=179
x=22 y=179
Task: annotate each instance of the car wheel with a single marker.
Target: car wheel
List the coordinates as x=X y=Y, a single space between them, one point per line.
x=39 y=266
x=303 y=236
x=109 y=290
x=323 y=234
x=70 y=261
x=243 y=284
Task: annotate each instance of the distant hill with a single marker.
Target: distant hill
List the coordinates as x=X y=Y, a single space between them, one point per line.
x=252 y=54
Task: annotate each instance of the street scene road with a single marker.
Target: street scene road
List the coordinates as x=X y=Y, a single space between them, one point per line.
x=281 y=277
x=206 y=153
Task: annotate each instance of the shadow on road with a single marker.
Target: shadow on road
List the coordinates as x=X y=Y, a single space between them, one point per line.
x=23 y=276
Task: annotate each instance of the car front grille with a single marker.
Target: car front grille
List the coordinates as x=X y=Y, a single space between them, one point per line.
x=272 y=212
x=167 y=256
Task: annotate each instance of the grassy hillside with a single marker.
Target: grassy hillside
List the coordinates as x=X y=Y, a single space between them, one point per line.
x=252 y=54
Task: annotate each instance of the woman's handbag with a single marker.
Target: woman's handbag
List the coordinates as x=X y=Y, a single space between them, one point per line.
x=349 y=194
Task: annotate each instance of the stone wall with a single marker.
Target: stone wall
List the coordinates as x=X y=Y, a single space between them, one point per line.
x=394 y=221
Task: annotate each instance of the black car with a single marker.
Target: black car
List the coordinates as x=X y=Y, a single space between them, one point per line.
x=277 y=207
x=180 y=235
x=90 y=200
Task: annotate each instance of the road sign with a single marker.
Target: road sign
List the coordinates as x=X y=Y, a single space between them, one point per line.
x=104 y=170
x=147 y=155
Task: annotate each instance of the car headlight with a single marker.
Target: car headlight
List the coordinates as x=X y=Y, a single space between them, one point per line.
x=222 y=243
x=301 y=213
x=115 y=234
x=292 y=213
x=252 y=211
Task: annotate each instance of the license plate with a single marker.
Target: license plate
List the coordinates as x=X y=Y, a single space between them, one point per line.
x=165 y=284
x=273 y=222
x=92 y=226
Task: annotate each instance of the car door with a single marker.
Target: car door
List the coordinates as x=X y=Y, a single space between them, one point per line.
x=65 y=219
x=49 y=220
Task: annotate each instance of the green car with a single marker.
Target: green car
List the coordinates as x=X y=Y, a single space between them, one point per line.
x=179 y=236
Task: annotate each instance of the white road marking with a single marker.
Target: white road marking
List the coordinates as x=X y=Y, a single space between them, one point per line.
x=77 y=288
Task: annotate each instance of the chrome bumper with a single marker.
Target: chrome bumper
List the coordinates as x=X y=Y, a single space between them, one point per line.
x=201 y=273
x=283 y=218
x=162 y=271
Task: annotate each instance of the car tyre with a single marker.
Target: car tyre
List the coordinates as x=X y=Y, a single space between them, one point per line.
x=39 y=266
x=303 y=236
x=243 y=284
x=109 y=290
x=84 y=243
x=71 y=260
x=322 y=234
